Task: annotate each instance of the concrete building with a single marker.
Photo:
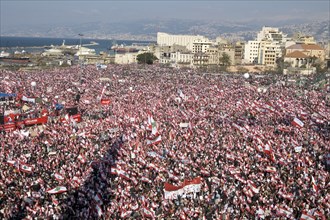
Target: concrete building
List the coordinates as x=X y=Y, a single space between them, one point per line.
x=267 y=47
x=269 y=52
x=181 y=59
x=213 y=55
x=164 y=39
x=201 y=45
x=163 y=53
x=239 y=53
x=310 y=50
x=200 y=59
x=251 y=51
x=272 y=34
x=126 y=58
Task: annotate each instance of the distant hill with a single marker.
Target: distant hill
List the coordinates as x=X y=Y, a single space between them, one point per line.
x=147 y=29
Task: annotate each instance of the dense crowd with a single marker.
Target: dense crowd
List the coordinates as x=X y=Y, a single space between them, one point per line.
x=238 y=134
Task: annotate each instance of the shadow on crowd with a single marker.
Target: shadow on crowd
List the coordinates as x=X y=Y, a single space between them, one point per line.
x=90 y=200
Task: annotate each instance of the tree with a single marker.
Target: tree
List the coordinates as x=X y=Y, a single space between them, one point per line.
x=224 y=60
x=146 y=58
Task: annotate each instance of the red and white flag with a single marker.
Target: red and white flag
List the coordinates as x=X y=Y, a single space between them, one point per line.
x=188 y=186
x=154 y=141
x=99 y=210
x=305 y=216
x=57 y=190
x=82 y=158
x=284 y=212
x=147 y=213
x=314 y=185
x=125 y=213
x=58 y=177
x=270 y=169
x=26 y=168
x=98 y=199
x=253 y=187
x=296 y=122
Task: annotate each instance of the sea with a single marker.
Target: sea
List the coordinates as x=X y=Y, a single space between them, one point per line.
x=36 y=44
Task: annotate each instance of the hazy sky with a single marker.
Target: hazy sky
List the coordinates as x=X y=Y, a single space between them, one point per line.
x=72 y=12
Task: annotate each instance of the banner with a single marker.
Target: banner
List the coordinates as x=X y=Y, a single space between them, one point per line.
x=188 y=186
x=34 y=121
x=26 y=99
x=8 y=127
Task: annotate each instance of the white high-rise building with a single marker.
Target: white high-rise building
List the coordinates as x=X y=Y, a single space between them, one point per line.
x=164 y=39
x=251 y=51
x=272 y=34
x=267 y=48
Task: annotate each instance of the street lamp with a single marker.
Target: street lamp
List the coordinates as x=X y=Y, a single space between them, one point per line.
x=80 y=39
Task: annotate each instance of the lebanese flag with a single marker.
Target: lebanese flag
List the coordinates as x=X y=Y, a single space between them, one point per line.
x=26 y=168
x=296 y=122
x=135 y=206
x=284 y=212
x=102 y=92
x=58 y=177
x=154 y=130
x=147 y=213
x=55 y=201
x=98 y=199
x=305 y=216
x=314 y=185
x=114 y=171
x=230 y=157
x=267 y=149
x=286 y=195
x=173 y=177
x=124 y=175
x=145 y=180
x=57 y=190
x=125 y=213
x=270 y=169
x=150 y=121
x=99 y=210
x=11 y=162
x=157 y=140
x=320 y=215
x=239 y=178
x=253 y=186
x=82 y=158
x=76 y=181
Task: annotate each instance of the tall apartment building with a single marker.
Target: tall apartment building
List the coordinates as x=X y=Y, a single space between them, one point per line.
x=201 y=45
x=267 y=48
x=251 y=51
x=164 y=39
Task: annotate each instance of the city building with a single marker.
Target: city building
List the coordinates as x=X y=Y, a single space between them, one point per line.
x=164 y=39
x=251 y=51
x=201 y=45
x=266 y=48
x=310 y=50
x=181 y=59
x=126 y=58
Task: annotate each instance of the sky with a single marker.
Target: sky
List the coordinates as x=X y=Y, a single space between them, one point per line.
x=41 y=12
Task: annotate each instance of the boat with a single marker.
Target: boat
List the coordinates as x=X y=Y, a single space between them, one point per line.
x=124 y=49
x=20 y=60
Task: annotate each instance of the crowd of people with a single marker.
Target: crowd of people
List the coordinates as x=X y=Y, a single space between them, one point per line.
x=259 y=144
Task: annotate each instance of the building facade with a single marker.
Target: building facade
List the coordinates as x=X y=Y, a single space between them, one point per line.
x=164 y=39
